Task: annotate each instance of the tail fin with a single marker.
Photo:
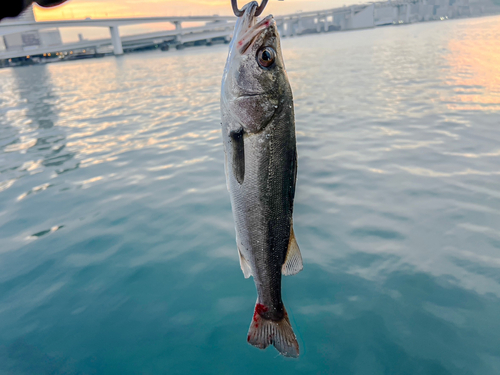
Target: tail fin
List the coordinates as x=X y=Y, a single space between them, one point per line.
x=264 y=332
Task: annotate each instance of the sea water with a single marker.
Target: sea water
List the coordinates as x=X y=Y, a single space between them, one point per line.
x=117 y=242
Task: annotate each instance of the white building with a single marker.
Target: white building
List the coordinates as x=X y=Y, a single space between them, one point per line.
x=50 y=37
x=30 y=39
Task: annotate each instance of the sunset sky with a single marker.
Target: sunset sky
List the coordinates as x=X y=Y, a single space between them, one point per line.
x=78 y=9
x=81 y=9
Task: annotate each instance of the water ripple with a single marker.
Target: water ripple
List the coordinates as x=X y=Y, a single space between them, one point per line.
x=114 y=208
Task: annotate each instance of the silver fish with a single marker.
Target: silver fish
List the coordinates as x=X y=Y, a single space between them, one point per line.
x=258 y=130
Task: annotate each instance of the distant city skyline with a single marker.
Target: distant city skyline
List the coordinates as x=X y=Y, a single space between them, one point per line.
x=80 y=9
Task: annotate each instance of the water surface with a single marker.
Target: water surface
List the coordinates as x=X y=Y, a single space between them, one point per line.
x=117 y=244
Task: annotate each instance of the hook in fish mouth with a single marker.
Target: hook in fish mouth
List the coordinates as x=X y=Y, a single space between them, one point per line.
x=240 y=13
x=253 y=32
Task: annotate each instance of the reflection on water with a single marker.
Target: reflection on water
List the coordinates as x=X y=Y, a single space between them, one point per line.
x=474 y=60
x=117 y=251
x=30 y=142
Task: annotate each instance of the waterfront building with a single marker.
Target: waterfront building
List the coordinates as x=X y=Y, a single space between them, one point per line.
x=28 y=40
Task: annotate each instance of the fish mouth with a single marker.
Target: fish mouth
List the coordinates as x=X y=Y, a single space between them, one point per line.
x=250 y=36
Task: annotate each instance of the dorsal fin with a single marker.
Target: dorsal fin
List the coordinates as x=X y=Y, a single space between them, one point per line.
x=293 y=259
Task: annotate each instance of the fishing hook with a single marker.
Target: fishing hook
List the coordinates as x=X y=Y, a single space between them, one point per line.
x=239 y=13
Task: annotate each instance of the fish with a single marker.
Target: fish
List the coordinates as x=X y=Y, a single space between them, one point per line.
x=258 y=132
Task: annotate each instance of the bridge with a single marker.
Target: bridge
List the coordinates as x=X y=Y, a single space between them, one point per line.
x=344 y=18
x=215 y=27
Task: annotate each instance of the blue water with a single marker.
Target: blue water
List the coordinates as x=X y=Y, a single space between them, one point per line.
x=117 y=245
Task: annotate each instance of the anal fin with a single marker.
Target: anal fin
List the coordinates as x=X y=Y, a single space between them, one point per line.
x=293 y=260
x=245 y=266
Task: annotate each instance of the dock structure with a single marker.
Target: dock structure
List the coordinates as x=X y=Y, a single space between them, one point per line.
x=24 y=38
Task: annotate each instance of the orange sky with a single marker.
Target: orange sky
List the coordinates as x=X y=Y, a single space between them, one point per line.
x=78 y=9
x=81 y=9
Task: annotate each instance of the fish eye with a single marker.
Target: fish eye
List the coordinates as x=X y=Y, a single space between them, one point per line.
x=266 y=57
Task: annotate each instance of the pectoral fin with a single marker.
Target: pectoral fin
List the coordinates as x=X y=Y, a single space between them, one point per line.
x=293 y=259
x=225 y=170
x=238 y=162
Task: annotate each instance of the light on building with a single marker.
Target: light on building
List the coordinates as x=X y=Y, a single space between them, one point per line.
x=28 y=56
x=70 y=52
x=49 y=54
